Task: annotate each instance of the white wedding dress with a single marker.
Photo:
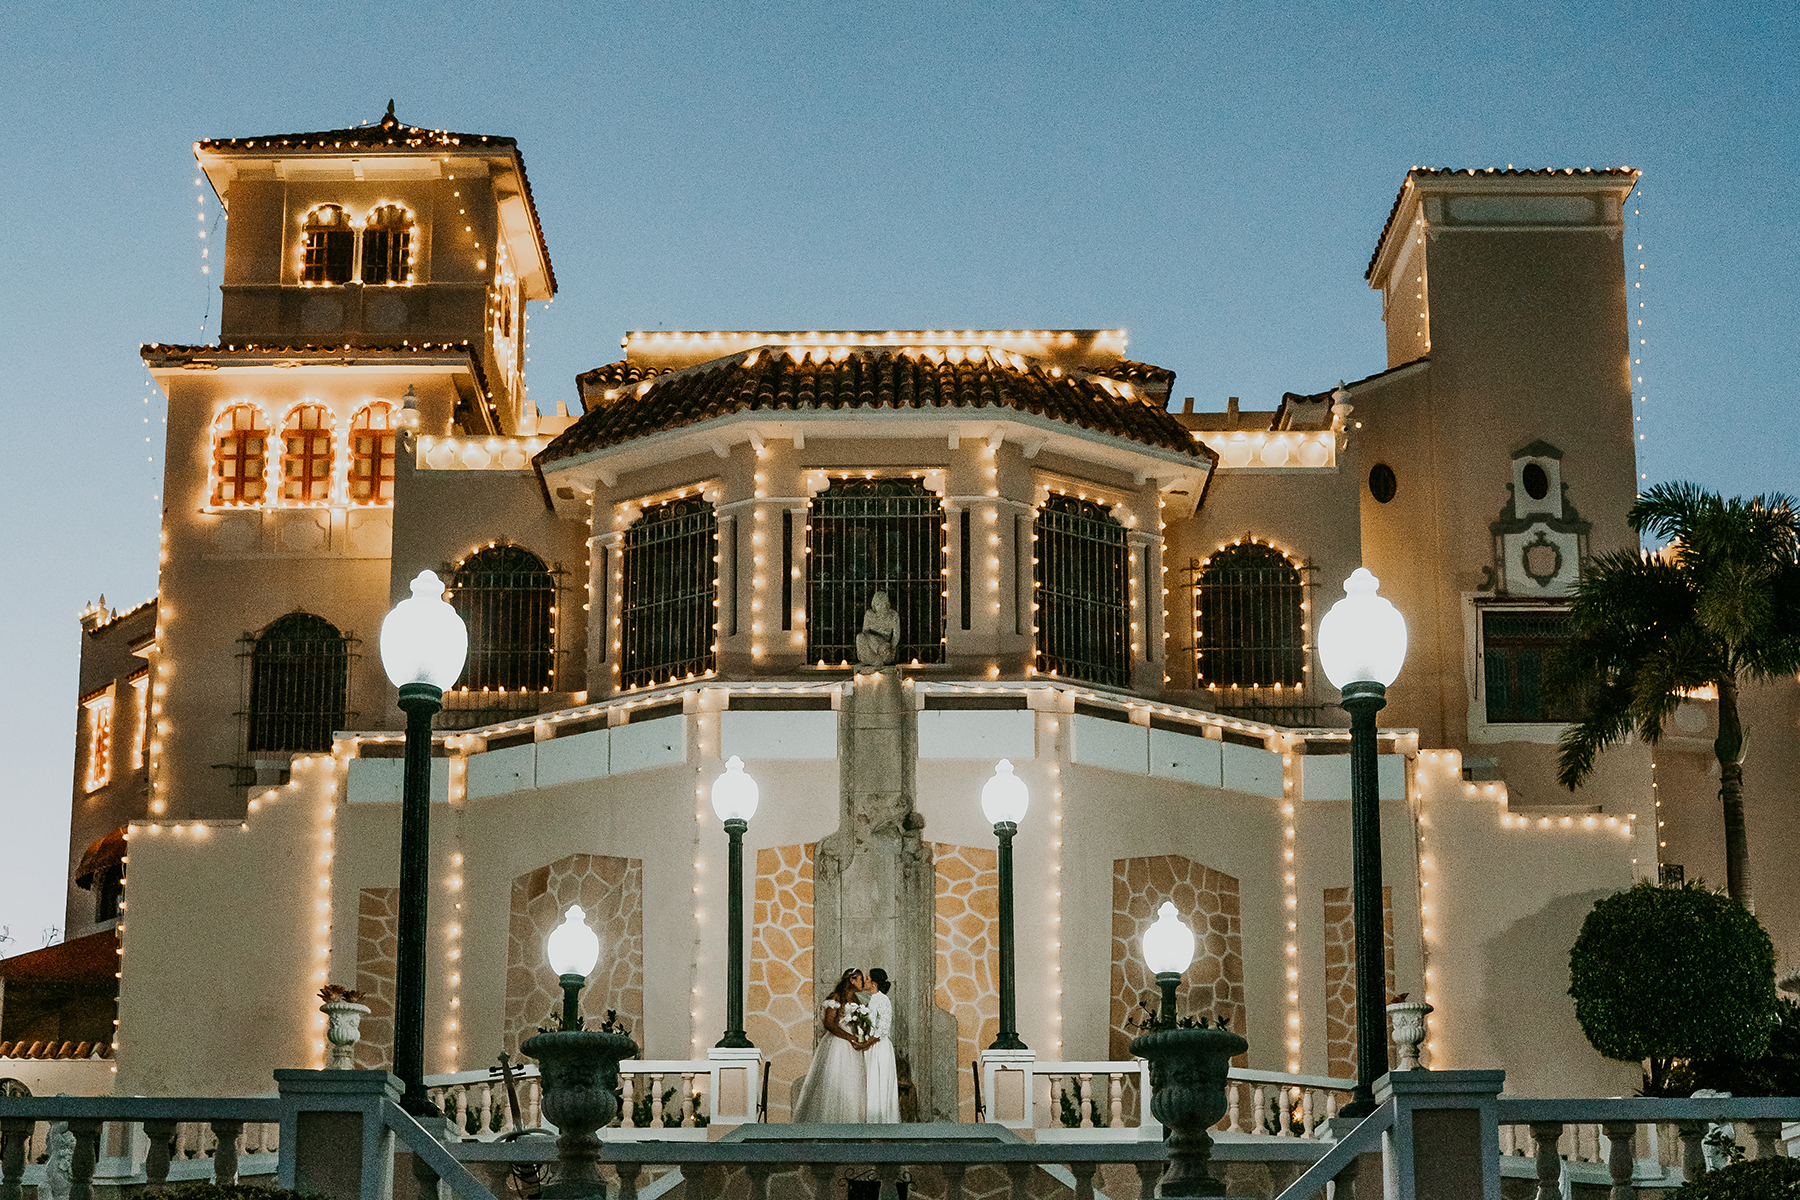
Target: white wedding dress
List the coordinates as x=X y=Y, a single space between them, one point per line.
x=883 y=1105
x=833 y=1093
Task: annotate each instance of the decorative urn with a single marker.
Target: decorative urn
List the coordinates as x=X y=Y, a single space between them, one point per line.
x=580 y=1072
x=1187 y=1094
x=1408 y=1020
x=343 y=1024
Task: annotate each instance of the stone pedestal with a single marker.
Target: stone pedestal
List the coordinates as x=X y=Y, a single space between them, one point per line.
x=874 y=890
x=736 y=1084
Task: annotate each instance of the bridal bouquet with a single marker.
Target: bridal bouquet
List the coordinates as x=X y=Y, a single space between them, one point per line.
x=858 y=1021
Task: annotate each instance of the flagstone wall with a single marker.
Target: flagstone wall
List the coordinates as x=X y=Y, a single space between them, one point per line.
x=1340 y=977
x=1208 y=902
x=611 y=892
x=779 y=1015
x=968 y=939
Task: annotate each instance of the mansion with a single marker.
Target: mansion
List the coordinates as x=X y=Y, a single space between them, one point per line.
x=1113 y=591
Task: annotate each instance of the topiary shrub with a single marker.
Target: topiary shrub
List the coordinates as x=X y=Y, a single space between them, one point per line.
x=1661 y=975
x=1763 y=1179
x=1776 y=1073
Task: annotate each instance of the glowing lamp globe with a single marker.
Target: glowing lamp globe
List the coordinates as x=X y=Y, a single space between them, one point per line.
x=734 y=794
x=1168 y=944
x=423 y=640
x=573 y=948
x=1363 y=638
x=1004 y=798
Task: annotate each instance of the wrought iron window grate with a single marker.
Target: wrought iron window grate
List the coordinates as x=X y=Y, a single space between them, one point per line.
x=1250 y=620
x=1516 y=651
x=1082 y=594
x=299 y=681
x=507 y=597
x=669 y=612
x=869 y=535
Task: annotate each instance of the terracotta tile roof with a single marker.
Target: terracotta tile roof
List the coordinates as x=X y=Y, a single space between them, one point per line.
x=615 y=374
x=784 y=379
x=95 y=956
x=1158 y=377
x=54 y=1049
x=1498 y=172
x=389 y=133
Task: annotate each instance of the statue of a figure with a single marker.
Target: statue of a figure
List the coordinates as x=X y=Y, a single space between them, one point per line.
x=879 y=640
x=59 y=1166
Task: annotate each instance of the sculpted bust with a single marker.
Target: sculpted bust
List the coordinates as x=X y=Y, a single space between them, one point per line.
x=879 y=640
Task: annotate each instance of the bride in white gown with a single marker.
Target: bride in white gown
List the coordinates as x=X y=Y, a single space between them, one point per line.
x=835 y=1088
x=883 y=1077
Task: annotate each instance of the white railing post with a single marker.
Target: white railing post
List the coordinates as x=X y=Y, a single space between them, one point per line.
x=314 y=1157
x=1456 y=1149
x=1007 y=1086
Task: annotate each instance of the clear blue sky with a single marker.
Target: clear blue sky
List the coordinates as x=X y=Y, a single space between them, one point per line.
x=1210 y=177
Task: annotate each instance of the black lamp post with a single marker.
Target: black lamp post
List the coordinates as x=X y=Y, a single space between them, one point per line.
x=734 y=797
x=1362 y=642
x=1004 y=800
x=423 y=645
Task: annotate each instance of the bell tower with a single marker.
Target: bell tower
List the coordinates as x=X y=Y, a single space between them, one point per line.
x=385 y=236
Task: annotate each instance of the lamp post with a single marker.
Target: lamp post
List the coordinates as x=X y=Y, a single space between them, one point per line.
x=572 y=949
x=1362 y=642
x=1188 y=1067
x=1168 y=951
x=579 y=1067
x=1004 y=801
x=734 y=796
x=423 y=645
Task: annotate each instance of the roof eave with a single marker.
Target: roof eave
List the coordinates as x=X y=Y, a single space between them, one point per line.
x=1145 y=462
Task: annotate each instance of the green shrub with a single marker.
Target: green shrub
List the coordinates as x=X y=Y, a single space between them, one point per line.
x=234 y=1191
x=1661 y=975
x=1762 y=1179
x=1776 y=1073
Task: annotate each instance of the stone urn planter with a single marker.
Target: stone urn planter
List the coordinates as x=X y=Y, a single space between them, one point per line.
x=580 y=1072
x=1408 y=1020
x=1187 y=1094
x=343 y=1029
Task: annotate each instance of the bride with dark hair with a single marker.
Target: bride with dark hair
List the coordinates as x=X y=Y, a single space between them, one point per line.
x=836 y=1086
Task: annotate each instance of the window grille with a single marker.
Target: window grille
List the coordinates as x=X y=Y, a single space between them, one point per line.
x=240 y=452
x=387 y=246
x=869 y=535
x=100 y=741
x=1250 y=620
x=372 y=441
x=507 y=597
x=669 y=613
x=330 y=246
x=1082 y=601
x=1516 y=652
x=306 y=455
x=299 y=678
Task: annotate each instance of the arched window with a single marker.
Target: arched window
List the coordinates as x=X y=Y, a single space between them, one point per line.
x=1250 y=619
x=869 y=535
x=306 y=455
x=387 y=246
x=328 y=253
x=1082 y=598
x=507 y=598
x=299 y=672
x=669 y=615
x=372 y=441
x=240 y=456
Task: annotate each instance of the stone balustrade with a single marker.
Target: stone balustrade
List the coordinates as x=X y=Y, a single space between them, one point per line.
x=105 y=1143
x=678 y=1092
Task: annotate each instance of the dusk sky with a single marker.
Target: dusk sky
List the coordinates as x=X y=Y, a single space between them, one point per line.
x=1209 y=177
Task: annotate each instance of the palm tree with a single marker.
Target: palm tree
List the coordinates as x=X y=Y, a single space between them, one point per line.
x=1716 y=608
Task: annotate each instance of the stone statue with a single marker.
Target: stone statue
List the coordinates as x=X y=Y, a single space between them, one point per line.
x=879 y=640
x=59 y=1165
